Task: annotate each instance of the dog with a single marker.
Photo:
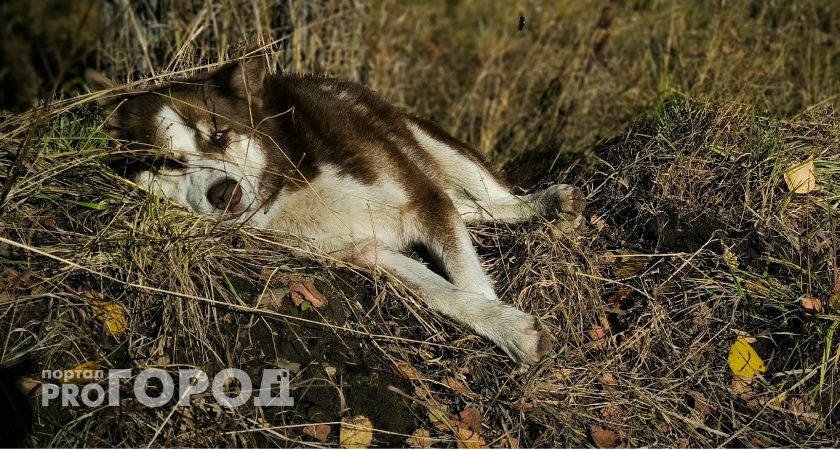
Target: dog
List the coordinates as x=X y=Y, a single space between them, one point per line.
x=349 y=174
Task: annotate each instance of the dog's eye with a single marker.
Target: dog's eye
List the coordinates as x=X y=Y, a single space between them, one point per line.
x=169 y=162
x=220 y=137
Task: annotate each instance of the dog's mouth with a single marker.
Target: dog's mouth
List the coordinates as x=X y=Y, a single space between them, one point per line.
x=227 y=197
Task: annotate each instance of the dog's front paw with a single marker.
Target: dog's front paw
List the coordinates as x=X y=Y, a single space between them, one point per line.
x=562 y=201
x=517 y=334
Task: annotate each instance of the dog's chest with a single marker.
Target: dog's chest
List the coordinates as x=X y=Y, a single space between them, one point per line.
x=334 y=211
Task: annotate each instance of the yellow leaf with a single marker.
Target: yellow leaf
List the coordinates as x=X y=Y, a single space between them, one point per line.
x=83 y=373
x=800 y=178
x=421 y=439
x=110 y=314
x=743 y=360
x=468 y=438
x=437 y=415
x=356 y=432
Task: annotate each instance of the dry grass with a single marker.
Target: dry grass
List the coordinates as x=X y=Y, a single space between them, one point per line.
x=677 y=120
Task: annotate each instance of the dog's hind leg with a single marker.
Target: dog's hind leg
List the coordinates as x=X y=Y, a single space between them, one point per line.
x=480 y=195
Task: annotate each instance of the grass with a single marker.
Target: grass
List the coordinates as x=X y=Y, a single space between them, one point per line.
x=678 y=121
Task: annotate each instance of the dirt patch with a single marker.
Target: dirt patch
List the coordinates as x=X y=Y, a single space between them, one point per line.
x=335 y=374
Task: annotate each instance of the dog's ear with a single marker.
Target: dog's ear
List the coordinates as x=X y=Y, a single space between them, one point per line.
x=98 y=82
x=108 y=101
x=244 y=78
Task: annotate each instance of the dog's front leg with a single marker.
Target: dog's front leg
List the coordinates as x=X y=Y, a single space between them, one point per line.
x=512 y=330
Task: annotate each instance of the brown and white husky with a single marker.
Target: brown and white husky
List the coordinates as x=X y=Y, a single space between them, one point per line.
x=343 y=170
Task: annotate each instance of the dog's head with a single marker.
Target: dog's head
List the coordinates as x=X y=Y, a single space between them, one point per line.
x=196 y=141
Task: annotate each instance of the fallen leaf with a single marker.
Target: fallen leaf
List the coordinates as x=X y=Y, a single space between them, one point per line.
x=267 y=273
x=779 y=400
x=422 y=392
x=407 y=371
x=611 y=412
x=320 y=432
x=834 y=302
x=802 y=409
x=744 y=388
x=523 y=406
x=620 y=298
x=562 y=374
x=471 y=417
x=811 y=304
x=743 y=360
x=111 y=315
x=509 y=441
x=701 y=407
x=598 y=222
x=439 y=417
x=702 y=317
x=356 y=432
x=457 y=386
x=628 y=265
x=599 y=337
x=758 y=290
x=468 y=438
x=304 y=290
x=421 y=438
x=730 y=258
x=604 y=438
x=274 y=297
x=607 y=380
x=801 y=178
x=77 y=374
x=29 y=386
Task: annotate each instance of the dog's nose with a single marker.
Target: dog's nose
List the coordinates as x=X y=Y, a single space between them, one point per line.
x=225 y=195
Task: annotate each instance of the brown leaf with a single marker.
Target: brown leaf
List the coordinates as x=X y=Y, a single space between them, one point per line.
x=598 y=222
x=267 y=273
x=604 y=438
x=29 y=386
x=611 y=412
x=607 y=380
x=407 y=371
x=273 y=298
x=599 y=337
x=811 y=304
x=620 y=298
x=702 y=318
x=509 y=441
x=457 y=386
x=421 y=438
x=468 y=438
x=628 y=265
x=744 y=388
x=702 y=407
x=320 y=432
x=562 y=374
x=523 y=406
x=471 y=417
x=802 y=409
x=303 y=289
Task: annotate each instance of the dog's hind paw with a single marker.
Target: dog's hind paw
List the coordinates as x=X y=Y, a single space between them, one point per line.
x=561 y=201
